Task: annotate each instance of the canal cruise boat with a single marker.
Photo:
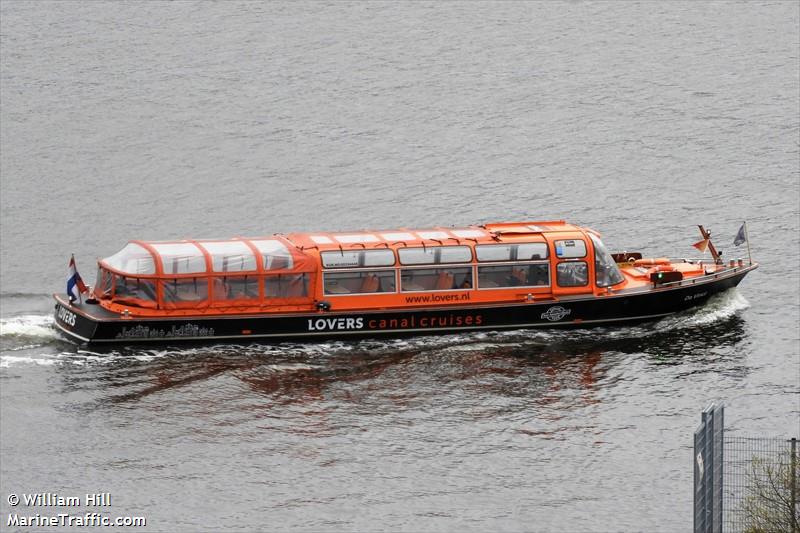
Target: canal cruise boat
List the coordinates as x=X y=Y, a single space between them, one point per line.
x=382 y=283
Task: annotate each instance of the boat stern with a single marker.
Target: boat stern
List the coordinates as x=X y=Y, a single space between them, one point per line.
x=72 y=320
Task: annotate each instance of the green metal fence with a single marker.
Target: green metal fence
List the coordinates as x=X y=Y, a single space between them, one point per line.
x=744 y=484
x=761 y=481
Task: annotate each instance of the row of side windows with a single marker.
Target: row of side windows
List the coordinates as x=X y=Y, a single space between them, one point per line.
x=437 y=255
x=437 y=279
x=142 y=291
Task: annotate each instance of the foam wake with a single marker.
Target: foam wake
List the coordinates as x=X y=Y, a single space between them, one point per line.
x=28 y=326
x=718 y=308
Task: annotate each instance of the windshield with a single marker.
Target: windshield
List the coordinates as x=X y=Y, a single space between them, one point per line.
x=606 y=270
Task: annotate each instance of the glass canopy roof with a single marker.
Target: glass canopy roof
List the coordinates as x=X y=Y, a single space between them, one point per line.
x=189 y=257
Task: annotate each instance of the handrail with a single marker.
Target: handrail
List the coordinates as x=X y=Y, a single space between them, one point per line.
x=726 y=271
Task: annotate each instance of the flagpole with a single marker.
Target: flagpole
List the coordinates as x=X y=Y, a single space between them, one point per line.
x=747 y=238
x=72 y=260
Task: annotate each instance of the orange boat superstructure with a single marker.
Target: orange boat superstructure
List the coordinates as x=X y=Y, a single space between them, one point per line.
x=336 y=276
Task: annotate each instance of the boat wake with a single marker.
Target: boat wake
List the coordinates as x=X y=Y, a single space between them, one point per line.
x=722 y=307
x=33 y=339
x=31 y=327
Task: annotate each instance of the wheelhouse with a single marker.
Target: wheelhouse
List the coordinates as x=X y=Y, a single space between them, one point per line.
x=367 y=270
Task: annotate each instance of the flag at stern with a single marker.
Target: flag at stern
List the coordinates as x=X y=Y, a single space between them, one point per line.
x=75 y=285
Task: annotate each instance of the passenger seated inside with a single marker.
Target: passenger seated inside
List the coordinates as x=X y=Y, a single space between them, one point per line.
x=370 y=283
x=444 y=281
x=538 y=275
x=517 y=278
x=409 y=283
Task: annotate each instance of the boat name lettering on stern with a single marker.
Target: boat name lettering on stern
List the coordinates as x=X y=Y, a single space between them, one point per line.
x=146 y=332
x=67 y=317
x=556 y=313
x=335 y=324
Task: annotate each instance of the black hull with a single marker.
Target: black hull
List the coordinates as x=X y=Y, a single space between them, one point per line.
x=85 y=323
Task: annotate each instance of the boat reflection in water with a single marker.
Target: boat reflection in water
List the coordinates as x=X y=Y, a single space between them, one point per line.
x=525 y=375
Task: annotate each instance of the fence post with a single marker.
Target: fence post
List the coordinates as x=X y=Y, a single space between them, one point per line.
x=715 y=449
x=711 y=463
x=699 y=486
x=719 y=441
x=709 y=450
x=793 y=485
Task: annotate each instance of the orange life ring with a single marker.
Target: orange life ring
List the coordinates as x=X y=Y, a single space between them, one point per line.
x=651 y=261
x=660 y=268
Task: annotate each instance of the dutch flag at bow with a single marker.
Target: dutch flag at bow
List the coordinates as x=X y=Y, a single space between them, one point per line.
x=75 y=285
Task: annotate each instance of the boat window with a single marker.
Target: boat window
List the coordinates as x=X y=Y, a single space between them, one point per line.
x=230 y=256
x=136 y=291
x=531 y=251
x=274 y=254
x=378 y=258
x=133 y=259
x=181 y=258
x=357 y=258
x=417 y=256
x=193 y=290
x=104 y=284
x=340 y=259
x=435 y=279
x=571 y=248
x=454 y=254
x=359 y=282
x=572 y=274
x=514 y=275
x=435 y=254
x=234 y=288
x=606 y=271
x=493 y=252
x=286 y=286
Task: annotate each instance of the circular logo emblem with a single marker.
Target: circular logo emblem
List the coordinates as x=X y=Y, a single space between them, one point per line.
x=556 y=313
